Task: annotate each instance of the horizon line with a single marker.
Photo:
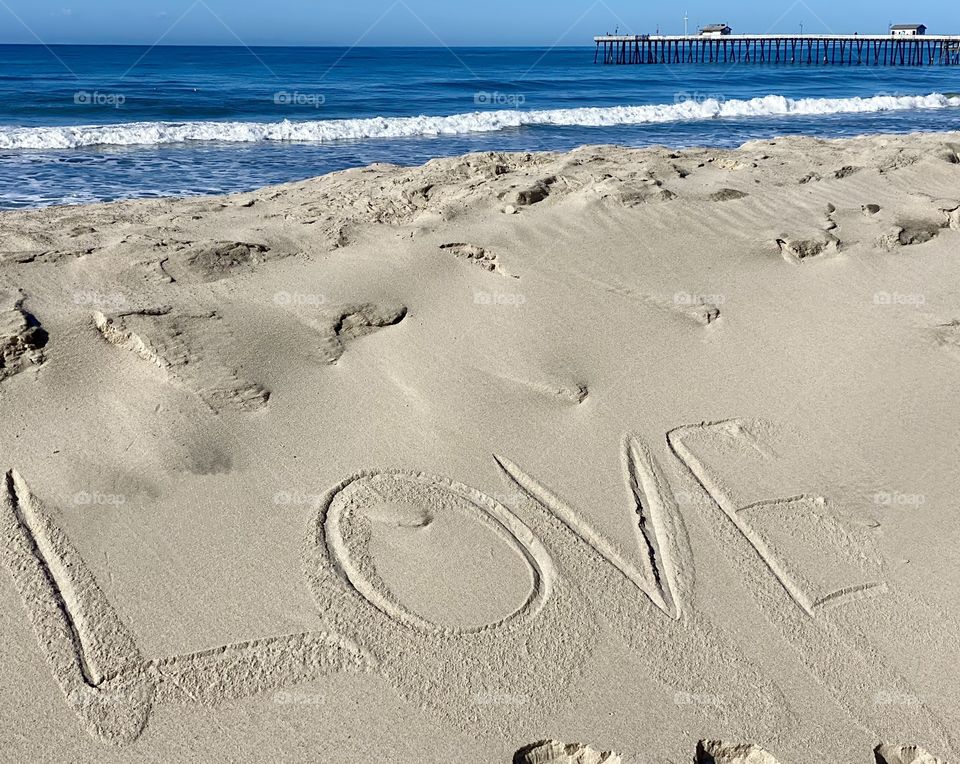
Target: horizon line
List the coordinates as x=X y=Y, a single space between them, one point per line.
x=243 y=46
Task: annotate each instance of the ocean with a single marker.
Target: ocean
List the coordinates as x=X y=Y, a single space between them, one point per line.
x=81 y=124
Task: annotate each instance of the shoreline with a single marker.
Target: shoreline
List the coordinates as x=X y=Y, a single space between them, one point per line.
x=780 y=140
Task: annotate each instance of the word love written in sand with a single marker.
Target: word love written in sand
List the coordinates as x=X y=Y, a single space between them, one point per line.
x=482 y=667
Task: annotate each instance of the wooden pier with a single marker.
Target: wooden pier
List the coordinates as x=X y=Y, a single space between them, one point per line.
x=830 y=50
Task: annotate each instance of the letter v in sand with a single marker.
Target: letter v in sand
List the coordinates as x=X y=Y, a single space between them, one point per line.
x=93 y=656
x=680 y=647
x=661 y=535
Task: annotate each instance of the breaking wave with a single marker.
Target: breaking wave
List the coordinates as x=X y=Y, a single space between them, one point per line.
x=324 y=131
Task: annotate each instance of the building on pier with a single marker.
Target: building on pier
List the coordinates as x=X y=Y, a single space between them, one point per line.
x=908 y=30
x=715 y=30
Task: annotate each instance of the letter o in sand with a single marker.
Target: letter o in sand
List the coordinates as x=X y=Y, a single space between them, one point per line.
x=452 y=594
x=397 y=537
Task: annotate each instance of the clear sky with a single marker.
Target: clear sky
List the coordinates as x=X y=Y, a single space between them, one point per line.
x=436 y=22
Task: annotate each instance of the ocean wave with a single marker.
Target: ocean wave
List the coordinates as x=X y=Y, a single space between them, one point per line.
x=324 y=131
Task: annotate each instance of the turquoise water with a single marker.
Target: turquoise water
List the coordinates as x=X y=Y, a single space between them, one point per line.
x=81 y=124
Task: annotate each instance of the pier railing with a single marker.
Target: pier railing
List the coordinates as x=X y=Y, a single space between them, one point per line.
x=831 y=50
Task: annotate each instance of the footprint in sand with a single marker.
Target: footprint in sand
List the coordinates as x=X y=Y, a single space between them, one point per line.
x=338 y=329
x=474 y=254
x=567 y=392
x=799 y=249
x=184 y=347
x=948 y=152
x=950 y=209
x=527 y=196
x=925 y=227
x=905 y=754
x=830 y=223
x=948 y=335
x=918 y=232
x=718 y=752
x=631 y=192
x=22 y=338
x=206 y=261
x=728 y=195
x=701 y=311
x=555 y=752
x=846 y=172
x=816 y=243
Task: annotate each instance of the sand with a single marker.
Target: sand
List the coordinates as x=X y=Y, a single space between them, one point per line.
x=616 y=455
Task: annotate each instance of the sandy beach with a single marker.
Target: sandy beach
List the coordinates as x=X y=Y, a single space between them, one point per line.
x=650 y=450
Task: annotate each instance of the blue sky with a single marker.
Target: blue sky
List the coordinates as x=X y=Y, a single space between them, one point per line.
x=434 y=22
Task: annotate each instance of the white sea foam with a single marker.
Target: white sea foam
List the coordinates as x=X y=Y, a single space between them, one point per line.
x=322 y=131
